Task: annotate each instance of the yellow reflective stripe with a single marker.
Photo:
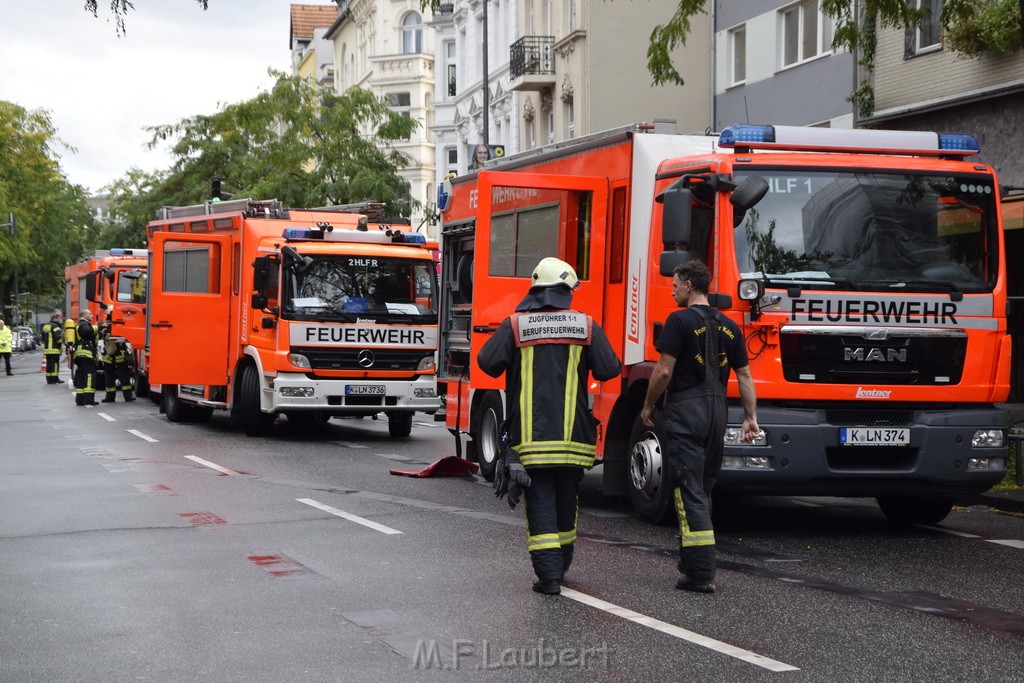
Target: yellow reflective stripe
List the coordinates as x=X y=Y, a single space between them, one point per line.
x=567 y=537
x=526 y=394
x=526 y=446
x=542 y=542
x=684 y=526
x=557 y=459
x=695 y=538
x=571 y=389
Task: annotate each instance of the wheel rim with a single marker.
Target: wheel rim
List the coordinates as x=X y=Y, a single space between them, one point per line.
x=645 y=466
x=489 y=437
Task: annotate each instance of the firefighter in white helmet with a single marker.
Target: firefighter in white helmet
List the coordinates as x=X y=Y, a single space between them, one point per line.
x=547 y=352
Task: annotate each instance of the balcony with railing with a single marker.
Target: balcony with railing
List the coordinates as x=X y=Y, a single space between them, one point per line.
x=532 y=63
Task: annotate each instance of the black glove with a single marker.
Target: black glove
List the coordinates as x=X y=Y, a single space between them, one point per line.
x=518 y=477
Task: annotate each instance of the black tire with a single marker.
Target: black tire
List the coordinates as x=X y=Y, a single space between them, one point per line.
x=171 y=405
x=920 y=510
x=486 y=433
x=253 y=420
x=399 y=425
x=141 y=385
x=650 y=477
x=200 y=413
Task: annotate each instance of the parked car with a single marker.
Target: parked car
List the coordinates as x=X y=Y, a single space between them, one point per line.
x=24 y=339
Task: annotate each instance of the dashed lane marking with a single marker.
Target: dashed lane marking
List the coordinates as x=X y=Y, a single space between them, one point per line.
x=349 y=516
x=212 y=466
x=106 y=417
x=951 y=532
x=142 y=436
x=678 y=632
x=1010 y=542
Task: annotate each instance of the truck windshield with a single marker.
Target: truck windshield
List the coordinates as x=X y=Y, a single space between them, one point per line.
x=347 y=288
x=871 y=231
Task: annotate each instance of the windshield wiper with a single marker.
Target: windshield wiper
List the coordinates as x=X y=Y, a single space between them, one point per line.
x=933 y=285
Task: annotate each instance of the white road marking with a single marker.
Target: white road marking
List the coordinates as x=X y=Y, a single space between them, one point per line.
x=106 y=417
x=678 y=632
x=1013 y=543
x=139 y=434
x=349 y=516
x=350 y=444
x=211 y=465
x=961 y=534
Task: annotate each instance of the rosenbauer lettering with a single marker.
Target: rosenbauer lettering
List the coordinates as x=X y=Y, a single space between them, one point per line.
x=363 y=335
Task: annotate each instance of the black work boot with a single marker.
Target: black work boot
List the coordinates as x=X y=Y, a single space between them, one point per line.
x=108 y=399
x=550 y=587
x=685 y=583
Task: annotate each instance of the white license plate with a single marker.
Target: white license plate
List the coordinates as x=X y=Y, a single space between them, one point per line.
x=364 y=390
x=874 y=436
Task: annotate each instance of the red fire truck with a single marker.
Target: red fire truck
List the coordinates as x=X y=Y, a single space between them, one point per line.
x=263 y=311
x=865 y=269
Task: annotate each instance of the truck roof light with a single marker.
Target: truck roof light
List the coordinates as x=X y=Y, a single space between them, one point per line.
x=383 y=236
x=745 y=136
x=142 y=253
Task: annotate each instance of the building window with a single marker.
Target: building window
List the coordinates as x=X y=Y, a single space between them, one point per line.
x=738 y=55
x=806 y=32
x=450 y=69
x=551 y=126
x=399 y=102
x=531 y=134
x=451 y=160
x=928 y=34
x=570 y=122
x=412 y=34
x=570 y=16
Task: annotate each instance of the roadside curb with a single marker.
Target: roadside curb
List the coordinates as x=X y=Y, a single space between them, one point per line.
x=1007 y=501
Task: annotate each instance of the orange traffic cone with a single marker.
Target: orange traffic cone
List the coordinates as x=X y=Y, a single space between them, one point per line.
x=42 y=365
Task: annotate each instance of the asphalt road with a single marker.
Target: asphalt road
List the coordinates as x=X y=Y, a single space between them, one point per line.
x=133 y=548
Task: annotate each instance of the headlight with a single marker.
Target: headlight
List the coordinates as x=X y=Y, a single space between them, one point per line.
x=988 y=438
x=750 y=290
x=732 y=438
x=297 y=392
x=299 y=361
x=423 y=393
x=426 y=363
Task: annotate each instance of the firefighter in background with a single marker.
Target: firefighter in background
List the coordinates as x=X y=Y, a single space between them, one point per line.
x=116 y=367
x=83 y=356
x=53 y=347
x=547 y=352
x=6 y=344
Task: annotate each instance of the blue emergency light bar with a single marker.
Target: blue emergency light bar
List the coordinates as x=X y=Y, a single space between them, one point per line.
x=129 y=252
x=826 y=139
x=380 y=236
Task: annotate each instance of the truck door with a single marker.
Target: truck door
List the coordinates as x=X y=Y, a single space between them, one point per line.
x=189 y=309
x=521 y=219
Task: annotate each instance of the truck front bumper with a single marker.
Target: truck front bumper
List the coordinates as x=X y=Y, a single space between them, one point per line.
x=297 y=392
x=805 y=455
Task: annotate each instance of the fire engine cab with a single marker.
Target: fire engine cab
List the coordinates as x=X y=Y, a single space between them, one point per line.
x=311 y=313
x=865 y=269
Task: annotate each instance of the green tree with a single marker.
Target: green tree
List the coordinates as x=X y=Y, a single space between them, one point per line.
x=119 y=8
x=53 y=221
x=299 y=143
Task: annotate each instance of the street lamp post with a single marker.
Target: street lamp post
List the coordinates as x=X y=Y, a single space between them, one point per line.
x=487 y=90
x=10 y=229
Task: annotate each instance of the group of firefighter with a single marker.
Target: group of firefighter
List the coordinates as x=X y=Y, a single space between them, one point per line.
x=99 y=360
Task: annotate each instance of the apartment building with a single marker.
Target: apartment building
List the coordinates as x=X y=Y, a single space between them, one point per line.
x=774 y=64
x=312 y=53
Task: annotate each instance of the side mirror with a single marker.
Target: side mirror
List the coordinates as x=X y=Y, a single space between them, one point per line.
x=262 y=268
x=677 y=217
x=748 y=193
x=259 y=301
x=93 y=286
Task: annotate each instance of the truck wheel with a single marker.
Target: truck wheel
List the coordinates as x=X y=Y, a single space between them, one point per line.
x=253 y=420
x=399 y=425
x=487 y=434
x=141 y=385
x=172 y=407
x=650 y=477
x=921 y=510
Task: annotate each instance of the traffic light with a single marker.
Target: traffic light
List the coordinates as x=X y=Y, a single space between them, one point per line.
x=215 y=188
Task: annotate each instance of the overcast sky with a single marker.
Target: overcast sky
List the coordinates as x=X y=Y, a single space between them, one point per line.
x=175 y=61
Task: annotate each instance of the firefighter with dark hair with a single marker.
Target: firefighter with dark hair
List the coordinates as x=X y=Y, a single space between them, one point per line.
x=53 y=347
x=83 y=355
x=547 y=352
x=116 y=368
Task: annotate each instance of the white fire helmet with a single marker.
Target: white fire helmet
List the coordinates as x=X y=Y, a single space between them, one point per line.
x=552 y=271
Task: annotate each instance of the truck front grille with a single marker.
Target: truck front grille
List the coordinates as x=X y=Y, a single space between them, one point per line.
x=356 y=359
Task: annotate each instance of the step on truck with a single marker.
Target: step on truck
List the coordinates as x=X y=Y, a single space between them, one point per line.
x=263 y=311
x=865 y=268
